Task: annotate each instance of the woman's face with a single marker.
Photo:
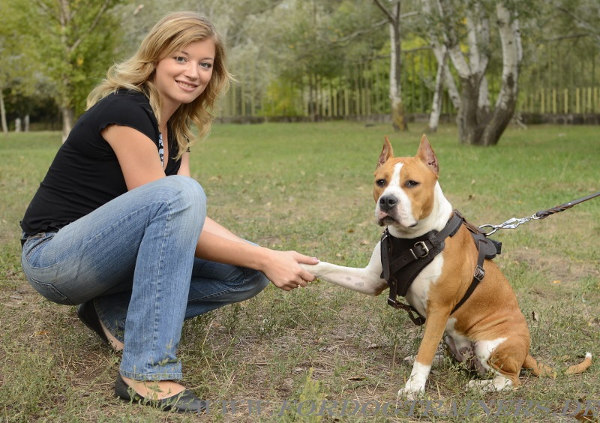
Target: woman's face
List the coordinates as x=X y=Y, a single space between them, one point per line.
x=183 y=75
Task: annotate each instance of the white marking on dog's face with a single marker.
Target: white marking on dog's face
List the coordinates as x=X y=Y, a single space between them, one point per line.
x=402 y=213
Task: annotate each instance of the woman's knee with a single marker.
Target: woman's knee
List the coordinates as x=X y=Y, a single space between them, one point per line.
x=188 y=188
x=182 y=192
x=255 y=283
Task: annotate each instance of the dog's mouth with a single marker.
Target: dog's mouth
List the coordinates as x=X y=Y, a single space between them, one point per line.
x=385 y=219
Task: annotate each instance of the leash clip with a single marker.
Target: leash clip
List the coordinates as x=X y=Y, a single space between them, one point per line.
x=511 y=223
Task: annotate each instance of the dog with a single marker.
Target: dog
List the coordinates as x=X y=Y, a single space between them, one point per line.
x=457 y=292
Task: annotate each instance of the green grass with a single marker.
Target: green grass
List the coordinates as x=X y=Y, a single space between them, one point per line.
x=308 y=187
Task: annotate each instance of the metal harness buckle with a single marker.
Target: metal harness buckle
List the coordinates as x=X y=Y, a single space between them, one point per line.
x=479 y=273
x=423 y=247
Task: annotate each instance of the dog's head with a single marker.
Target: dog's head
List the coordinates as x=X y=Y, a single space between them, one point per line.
x=404 y=189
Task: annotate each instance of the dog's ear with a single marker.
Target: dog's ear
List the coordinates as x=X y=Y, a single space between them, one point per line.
x=427 y=156
x=386 y=152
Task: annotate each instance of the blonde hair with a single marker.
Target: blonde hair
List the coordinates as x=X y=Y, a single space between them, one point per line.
x=171 y=33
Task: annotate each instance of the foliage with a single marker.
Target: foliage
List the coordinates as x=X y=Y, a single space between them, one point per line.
x=286 y=54
x=69 y=43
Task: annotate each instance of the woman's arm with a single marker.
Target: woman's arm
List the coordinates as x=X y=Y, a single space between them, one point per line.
x=184 y=167
x=137 y=155
x=140 y=164
x=281 y=267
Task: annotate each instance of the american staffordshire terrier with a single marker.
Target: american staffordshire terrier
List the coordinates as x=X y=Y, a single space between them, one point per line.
x=455 y=291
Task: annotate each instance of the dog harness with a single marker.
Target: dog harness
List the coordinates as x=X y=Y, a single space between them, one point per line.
x=403 y=259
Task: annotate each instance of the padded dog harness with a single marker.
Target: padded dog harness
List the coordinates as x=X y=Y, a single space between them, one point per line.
x=403 y=259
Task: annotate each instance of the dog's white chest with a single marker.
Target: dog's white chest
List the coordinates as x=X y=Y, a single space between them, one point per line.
x=418 y=293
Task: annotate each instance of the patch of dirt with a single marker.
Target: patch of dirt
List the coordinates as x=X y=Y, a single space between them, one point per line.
x=557 y=267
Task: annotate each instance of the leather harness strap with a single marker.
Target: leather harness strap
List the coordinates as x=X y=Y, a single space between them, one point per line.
x=403 y=259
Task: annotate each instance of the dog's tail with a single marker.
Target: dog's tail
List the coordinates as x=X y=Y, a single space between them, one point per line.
x=540 y=369
x=581 y=367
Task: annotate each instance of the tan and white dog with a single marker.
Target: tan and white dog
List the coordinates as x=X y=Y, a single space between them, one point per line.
x=489 y=329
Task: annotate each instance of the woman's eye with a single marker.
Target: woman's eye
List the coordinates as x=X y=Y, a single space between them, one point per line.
x=206 y=65
x=411 y=184
x=180 y=59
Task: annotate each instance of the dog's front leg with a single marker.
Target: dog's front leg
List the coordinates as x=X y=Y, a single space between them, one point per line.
x=434 y=329
x=366 y=280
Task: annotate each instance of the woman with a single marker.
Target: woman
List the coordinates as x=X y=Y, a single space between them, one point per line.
x=119 y=227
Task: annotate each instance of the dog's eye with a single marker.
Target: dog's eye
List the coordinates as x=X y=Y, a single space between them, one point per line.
x=380 y=182
x=411 y=184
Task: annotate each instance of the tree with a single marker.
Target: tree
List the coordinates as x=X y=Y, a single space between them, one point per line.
x=15 y=56
x=394 y=22
x=468 y=22
x=585 y=14
x=302 y=44
x=443 y=78
x=73 y=43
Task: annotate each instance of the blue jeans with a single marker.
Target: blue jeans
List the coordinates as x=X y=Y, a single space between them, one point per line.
x=134 y=257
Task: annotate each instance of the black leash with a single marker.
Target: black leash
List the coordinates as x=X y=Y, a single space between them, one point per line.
x=513 y=222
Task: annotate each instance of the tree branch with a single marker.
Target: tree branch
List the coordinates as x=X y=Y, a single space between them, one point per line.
x=360 y=32
x=385 y=11
x=101 y=12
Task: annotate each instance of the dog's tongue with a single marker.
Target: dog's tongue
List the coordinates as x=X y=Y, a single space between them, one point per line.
x=384 y=219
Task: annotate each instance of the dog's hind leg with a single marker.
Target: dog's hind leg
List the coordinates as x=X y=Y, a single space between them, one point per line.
x=504 y=358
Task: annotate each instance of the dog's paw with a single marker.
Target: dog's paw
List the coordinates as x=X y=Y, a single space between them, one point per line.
x=498 y=383
x=411 y=391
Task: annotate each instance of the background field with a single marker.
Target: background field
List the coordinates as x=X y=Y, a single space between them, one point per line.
x=308 y=187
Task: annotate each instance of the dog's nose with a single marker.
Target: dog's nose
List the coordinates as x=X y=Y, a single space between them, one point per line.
x=387 y=202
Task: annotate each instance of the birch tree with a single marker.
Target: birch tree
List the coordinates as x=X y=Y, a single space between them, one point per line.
x=478 y=122
x=392 y=14
x=443 y=78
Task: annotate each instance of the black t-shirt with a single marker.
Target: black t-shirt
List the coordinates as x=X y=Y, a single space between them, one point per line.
x=85 y=173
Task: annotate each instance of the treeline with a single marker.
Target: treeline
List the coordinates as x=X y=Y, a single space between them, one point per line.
x=318 y=58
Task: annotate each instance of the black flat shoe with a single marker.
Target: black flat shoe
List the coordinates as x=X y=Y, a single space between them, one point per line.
x=184 y=402
x=87 y=314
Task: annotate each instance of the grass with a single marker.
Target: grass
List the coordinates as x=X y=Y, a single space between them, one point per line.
x=311 y=353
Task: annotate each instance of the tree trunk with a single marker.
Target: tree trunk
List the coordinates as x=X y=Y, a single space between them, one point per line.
x=510 y=37
x=439 y=44
x=3 y=114
x=67 y=118
x=467 y=119
x=436 y=107
x=393 y=17
x=477 y=123
x=398 y=113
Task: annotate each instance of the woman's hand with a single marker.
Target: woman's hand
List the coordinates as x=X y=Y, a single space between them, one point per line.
x=283 y=269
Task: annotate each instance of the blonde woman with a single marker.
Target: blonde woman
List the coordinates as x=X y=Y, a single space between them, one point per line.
x=119 y=227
